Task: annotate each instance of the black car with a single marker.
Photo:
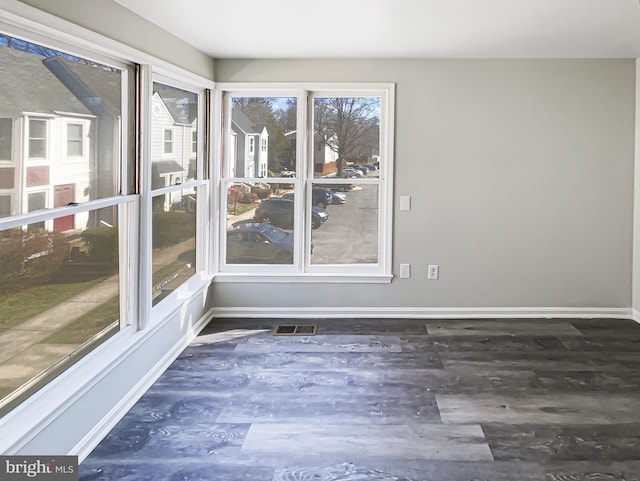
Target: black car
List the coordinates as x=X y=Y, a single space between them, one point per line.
x=252 y=243
x=279 y=212
x=320 y=197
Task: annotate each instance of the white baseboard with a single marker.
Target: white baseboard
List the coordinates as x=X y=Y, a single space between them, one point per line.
x=635 y=315
x=93 y=437
x=423 y=312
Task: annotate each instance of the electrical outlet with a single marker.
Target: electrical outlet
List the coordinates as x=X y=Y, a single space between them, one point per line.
x=432 y=272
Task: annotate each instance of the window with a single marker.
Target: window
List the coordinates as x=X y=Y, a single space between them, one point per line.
x=5 y=205
x=37 y=139
x=75 y=140
x=6 y=137
x=168 y=141
x=252 y=145
x=44 y=246
x=321 y=186
x=177 y=189
x=194 y=141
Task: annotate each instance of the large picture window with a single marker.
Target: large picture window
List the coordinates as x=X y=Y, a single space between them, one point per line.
x=315 y=198
x=60 y=223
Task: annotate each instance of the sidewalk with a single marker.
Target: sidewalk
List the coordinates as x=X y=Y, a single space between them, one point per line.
x=23 y=355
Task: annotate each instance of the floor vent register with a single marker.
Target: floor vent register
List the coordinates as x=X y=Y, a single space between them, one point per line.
x=296 y=330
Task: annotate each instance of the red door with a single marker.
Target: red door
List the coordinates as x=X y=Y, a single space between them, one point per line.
x=63 y=195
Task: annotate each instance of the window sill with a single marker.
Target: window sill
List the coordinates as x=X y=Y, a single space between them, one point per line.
x=304 y=278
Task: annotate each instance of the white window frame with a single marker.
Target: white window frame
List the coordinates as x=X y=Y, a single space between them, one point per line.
x=194 y=141
x=20 y=20
x=83 y=139
x=45 y=138
x=200 y=184
x=252 y=144
x=301 y=270
x=170 y=142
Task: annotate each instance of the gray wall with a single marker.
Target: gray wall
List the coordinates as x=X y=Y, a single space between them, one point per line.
x=636 y=233
x=114 y=21
x=521 y=177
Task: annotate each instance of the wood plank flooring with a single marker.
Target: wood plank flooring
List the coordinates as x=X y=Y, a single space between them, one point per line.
x=383 y=400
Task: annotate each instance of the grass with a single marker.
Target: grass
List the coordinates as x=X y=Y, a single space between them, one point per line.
x=240 y=208
x=164 y=272
x=88 y=325
x=20 y=306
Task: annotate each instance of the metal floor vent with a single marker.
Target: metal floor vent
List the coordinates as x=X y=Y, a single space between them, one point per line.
x=293 y=330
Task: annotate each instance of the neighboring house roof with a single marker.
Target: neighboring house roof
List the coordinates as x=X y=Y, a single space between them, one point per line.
x=26 y=85
x=166 y=167
x=244 y=123
x=98 y=88
x=182 y=105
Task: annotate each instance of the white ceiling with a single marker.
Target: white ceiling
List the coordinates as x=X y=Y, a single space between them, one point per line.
x=400 y=28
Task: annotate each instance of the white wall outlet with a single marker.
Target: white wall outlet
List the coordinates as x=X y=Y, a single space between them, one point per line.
x=432 y=272
x=405 y=202
x=405 y=271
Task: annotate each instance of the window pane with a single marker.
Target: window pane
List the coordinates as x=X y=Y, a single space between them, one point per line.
x=351 y=234
x=74 y=140
x=262 y=137
x=174 y=241
x=82 y=102
x=37 y=139
x=6 y=136
x=346 y=141
x=260 y=222
x=173 y=123
x=5 y=205
x=58 y=291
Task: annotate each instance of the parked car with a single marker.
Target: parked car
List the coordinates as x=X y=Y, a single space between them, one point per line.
x=254 y=243
x=279 y=212
x=339 y=187
x=350 y=172
x=337 y=197
x=320 y=197
x=362 y=168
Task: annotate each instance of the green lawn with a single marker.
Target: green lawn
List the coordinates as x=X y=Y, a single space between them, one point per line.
x=20 y=306
x=88 y=325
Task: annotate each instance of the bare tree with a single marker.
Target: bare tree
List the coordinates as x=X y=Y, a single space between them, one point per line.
x=345 y=125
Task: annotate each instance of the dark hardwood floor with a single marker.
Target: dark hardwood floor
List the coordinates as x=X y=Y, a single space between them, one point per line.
x=382 y=400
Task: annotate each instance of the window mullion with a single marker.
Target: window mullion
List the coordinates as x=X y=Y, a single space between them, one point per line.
x=145 y=84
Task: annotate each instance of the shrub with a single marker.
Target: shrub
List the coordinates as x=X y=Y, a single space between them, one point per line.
x=103 y=246
x=261 y=193
x=28 y=258
x=170 y=228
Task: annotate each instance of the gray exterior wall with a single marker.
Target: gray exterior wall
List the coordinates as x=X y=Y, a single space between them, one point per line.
x=521 y=178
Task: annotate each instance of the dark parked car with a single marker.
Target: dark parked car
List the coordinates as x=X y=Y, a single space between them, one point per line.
x=252 y=243
x=320 y=197
x=279 y=212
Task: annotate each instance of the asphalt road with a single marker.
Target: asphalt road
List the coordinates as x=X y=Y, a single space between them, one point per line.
x=351 y=233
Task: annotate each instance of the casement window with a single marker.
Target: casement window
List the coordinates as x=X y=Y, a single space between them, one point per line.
x=263 y=145
x=6 y=137
x=322 y=139
x=37 y=139
x=252 y=144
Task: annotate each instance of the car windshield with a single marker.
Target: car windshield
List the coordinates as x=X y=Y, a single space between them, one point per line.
x=275 y=235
